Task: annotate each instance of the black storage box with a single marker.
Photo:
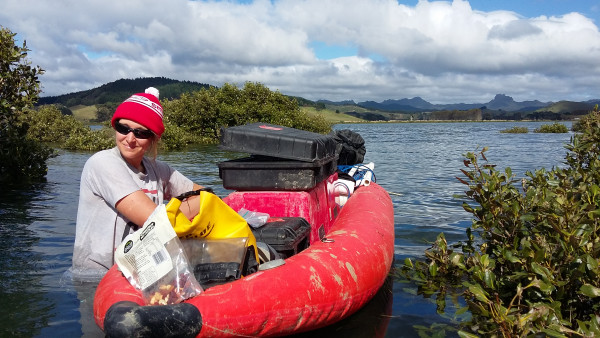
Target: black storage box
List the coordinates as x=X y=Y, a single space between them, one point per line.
x=277 y=141
x=216 y=273
x=267 y=173
x=287 y=235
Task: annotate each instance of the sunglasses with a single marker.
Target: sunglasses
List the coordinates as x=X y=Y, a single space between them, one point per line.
x=138 y=133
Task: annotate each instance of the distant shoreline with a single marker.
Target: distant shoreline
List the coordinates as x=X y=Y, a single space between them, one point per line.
x=451 y=121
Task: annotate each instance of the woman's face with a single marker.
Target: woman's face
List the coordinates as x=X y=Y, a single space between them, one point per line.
x=131 y=147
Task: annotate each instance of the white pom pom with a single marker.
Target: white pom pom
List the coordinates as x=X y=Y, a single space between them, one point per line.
x=152 y=90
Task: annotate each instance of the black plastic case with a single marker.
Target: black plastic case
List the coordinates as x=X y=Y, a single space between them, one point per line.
x=209 y=274
x=262 y=173
x=278 y=141
x=287 y=235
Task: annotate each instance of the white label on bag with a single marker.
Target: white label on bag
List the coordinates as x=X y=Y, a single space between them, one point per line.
x=142 y=256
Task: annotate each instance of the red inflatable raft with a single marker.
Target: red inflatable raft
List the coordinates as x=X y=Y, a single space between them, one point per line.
x=323 y=284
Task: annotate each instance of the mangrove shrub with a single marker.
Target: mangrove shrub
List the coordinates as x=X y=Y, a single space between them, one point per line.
x=201 y=114
x=529 y=264
x=48 y=124
x=22 y=158
x=515 y=130
x=552 y=128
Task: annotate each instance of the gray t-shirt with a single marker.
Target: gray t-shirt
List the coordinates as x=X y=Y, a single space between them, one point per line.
x=106 y=179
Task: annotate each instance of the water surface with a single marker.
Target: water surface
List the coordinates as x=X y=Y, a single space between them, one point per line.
x=417 y=162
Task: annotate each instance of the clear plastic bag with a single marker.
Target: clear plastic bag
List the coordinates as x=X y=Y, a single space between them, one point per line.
x=216 y=261
x=201 y=250
x=154 y=261
x=254 y=218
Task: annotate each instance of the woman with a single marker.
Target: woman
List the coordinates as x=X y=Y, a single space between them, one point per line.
x=120 y=187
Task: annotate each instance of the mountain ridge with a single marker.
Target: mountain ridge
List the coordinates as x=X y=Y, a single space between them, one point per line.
x=417 y=104
x=119 y=90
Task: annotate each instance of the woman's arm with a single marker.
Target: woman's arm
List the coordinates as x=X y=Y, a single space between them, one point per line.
x=136 y=206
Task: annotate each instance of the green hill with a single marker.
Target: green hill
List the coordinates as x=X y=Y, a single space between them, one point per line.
x=98 y=104
x=568 y=107
x=117 y=91
x=331 y=116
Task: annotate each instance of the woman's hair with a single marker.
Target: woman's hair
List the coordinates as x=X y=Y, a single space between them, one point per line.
x=153 y=149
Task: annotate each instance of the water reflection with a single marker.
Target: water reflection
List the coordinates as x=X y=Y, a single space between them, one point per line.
x=25 y=308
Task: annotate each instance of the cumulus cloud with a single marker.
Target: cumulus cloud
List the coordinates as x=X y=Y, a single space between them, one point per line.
x=443 y=51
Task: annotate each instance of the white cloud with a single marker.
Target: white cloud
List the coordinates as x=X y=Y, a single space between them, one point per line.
x=439 y=50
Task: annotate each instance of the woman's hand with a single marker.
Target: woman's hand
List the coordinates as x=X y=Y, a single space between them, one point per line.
x=191 y=206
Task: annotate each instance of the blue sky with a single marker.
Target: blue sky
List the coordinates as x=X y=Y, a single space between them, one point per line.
x=442 y=51
x=534 y=8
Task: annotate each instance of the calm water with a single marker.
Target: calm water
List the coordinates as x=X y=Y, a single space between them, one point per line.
x=417 y=162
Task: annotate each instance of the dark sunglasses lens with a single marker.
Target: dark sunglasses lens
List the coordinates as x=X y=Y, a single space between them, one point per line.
x=138 y=133
x=122 y=129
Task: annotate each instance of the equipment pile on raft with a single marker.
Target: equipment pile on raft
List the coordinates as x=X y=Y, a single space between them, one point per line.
x=319 y=247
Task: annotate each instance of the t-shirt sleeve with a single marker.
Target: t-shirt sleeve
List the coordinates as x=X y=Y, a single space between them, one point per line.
x=109 y=177
x=175 y=183
x=179 y=184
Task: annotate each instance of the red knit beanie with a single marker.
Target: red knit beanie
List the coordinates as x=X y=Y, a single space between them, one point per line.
x=143 y=108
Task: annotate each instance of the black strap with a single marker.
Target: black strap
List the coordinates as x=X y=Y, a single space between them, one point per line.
x=128 y=227
x=193 y=193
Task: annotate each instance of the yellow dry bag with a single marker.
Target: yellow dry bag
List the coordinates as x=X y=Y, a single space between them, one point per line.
x=215 y=219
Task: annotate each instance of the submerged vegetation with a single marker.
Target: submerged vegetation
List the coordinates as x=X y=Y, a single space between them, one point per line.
x=515 y=130
x=530 y=261
x=544 y=128
x=552 y=128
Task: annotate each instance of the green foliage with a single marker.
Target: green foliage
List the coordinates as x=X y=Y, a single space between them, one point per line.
x=530 y=262
x=91 y=140
x=461 y=115
x=199 y=116
x=105 y=112
x=552 y=128
x=22 y=159
x=516 y=130
x=585 y=121
x=176 y=137
x=49 y=125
